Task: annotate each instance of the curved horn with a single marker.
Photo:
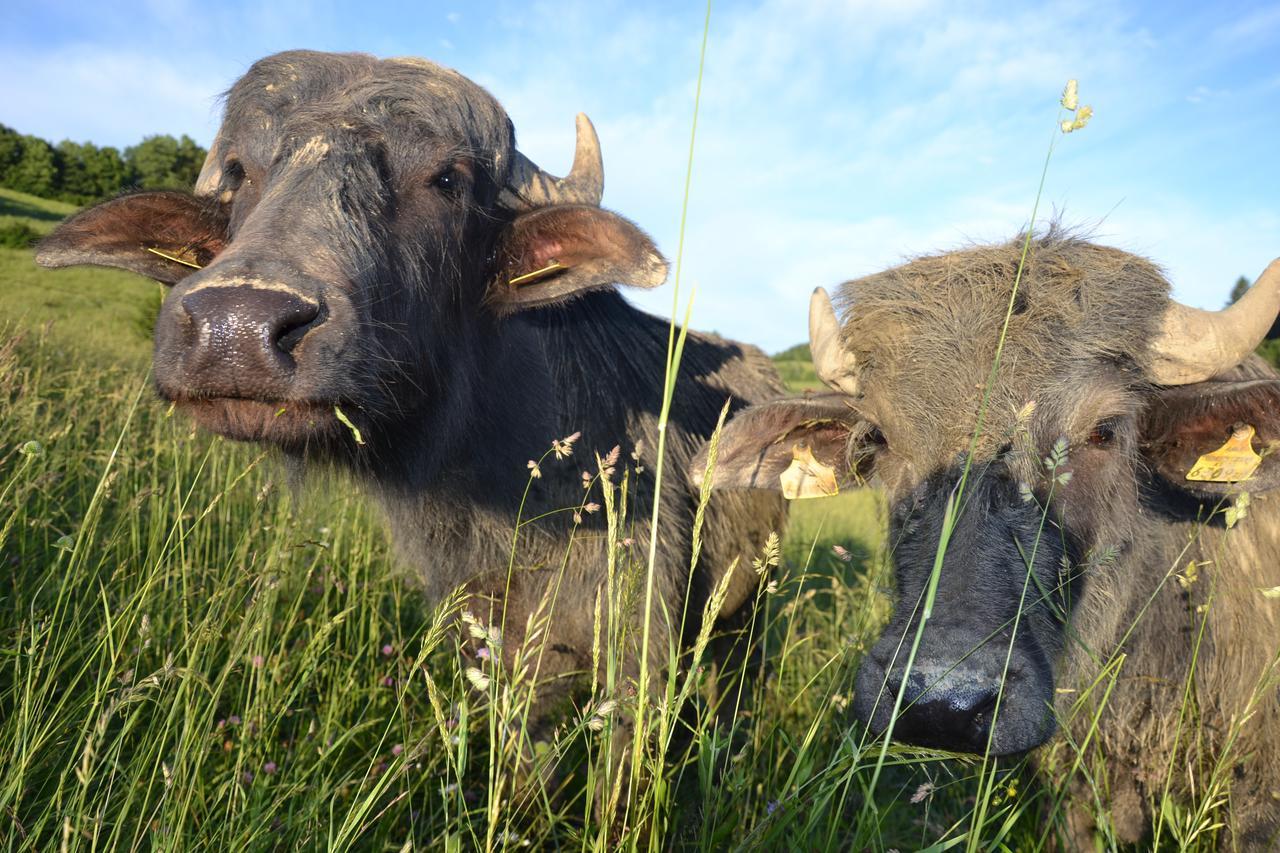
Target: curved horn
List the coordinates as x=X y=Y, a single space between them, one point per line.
x=835 y=366
x=211 y=171
x=529 y=187
x=1195 y=345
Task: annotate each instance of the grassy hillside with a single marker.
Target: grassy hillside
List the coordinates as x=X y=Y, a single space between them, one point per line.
x=196 y=655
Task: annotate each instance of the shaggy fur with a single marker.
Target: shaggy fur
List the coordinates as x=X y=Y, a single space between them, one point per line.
x=1114 y=533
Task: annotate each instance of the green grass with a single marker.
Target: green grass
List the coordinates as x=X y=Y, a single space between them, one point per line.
x=196 y=655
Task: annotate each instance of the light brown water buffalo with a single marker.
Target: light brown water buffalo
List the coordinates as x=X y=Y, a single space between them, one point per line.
x=1081 y=556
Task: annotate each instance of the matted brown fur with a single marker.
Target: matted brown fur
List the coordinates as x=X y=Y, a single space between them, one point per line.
x=925 y=336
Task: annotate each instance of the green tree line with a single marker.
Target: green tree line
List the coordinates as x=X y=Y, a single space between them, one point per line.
x=81 y=172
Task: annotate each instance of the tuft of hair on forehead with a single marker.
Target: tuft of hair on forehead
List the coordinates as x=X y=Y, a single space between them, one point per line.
x=441 y=102
x=926 y=332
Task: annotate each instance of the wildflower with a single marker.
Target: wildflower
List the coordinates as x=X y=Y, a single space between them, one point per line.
x=628 y=542
x=771 y=807
x=563 y=447
x=1239 y=509
x=234 y=719
x=922 y=793
x=1189 y=575
x=270 y=768
x=770 y=556
x=388 y=650
x=32 y=449
x=1071 y=95
x=842 y=553
x=397 y=749
x=534 y=470
x=65 y=543
x=388 y=681
x=482 y=653
x=247 y=777
x=478 y=679
x=608 y=463
x=258 y=661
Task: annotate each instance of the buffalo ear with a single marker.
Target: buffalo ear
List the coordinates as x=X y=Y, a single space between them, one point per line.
x=556 y=253
x=162 y=235
x=1186 y=422
x=761 y=443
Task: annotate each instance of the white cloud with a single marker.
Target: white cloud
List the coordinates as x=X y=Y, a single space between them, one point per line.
x=108 y=96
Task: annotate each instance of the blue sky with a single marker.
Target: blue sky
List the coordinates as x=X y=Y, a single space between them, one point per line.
x=835 y=139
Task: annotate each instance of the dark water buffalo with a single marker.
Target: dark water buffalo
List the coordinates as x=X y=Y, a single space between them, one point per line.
x=1078 y=542
x=366 y=238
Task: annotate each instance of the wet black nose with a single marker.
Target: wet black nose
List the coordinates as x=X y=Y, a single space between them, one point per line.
x=953 y=713
x=241 y=338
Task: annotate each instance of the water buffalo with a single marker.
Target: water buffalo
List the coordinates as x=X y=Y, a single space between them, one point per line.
x=366 y=243
x=1079 y=558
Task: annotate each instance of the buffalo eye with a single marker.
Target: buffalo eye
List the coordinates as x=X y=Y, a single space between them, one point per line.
x=1104 y=434
x=232 y=174
x=448 y=181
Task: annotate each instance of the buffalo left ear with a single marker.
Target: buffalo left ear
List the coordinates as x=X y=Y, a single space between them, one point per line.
x=804 y=447
x=162 y=235
x=556 y=253
x=1192 y=426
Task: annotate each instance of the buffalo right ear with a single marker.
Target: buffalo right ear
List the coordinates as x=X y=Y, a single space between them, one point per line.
x=762 y=442
x=162 y=235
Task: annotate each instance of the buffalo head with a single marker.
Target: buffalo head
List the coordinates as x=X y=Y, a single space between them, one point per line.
x=1013 y=494
x=357 y=237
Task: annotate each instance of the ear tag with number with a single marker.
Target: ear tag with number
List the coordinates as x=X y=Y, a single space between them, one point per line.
x=806 y=477
x=1231 y=463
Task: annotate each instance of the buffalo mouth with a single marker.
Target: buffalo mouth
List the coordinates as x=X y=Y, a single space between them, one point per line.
x=284 y=422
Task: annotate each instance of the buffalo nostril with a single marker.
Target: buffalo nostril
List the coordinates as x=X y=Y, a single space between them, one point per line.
x=957 y=716
x=293 y=325
x=241 y=337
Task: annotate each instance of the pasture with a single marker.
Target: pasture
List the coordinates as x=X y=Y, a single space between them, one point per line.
x=199 y=650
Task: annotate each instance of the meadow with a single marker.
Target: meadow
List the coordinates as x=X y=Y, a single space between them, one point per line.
x=199 y=652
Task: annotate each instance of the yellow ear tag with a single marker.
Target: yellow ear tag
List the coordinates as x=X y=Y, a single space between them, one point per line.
x=179 y=256
x=1231 y=463
x=806 y=477
x=537 y=275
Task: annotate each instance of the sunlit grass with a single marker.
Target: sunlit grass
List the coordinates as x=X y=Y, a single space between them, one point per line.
x=196 y=654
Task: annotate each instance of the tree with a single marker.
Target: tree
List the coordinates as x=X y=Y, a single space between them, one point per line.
x=36 y=171
x=77 y=185
x=1269 y=349
x=162 y=162
x=1238 y=289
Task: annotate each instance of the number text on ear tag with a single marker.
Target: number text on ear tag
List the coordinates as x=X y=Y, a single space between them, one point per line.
x=1231 y=463
x=806 y=477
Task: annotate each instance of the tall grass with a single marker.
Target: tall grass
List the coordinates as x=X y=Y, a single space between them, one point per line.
x=196 y=653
